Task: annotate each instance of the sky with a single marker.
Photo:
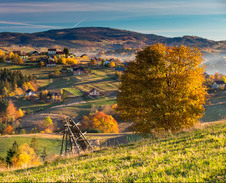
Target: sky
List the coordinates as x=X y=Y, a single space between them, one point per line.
x=170 y=18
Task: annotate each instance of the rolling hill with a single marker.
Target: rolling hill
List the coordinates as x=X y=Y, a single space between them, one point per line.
x=189 y=156
x=100 y=38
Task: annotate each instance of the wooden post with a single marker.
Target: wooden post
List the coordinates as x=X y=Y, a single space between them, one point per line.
x=62 y=145
x=66 y=143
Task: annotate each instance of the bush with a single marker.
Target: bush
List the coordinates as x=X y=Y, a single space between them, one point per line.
x=8 y=130
x=100 y=121
x=23 y=131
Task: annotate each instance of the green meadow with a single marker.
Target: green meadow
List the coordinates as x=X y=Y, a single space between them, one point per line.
x=196 y=155
x=51 y=144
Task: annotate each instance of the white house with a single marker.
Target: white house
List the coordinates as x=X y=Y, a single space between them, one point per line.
x=29 y=92
x=218 y=84
x=51 y=51
x=94 y=93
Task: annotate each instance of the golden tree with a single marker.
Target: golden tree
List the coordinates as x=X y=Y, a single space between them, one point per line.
x=112 y=64
x=163 y=89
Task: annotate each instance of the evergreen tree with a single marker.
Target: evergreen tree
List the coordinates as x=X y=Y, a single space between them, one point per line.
x=44 y=154
x=11 y=153
x=66 y=51
x=34 y=144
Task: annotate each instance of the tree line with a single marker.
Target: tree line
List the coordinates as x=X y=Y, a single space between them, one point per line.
x=14 y=81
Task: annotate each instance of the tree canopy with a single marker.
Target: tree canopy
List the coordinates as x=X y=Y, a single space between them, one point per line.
x=163 y=89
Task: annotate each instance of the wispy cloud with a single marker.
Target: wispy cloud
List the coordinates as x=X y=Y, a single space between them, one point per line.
x=152 y=7
x=13 y=23
x=26 y=25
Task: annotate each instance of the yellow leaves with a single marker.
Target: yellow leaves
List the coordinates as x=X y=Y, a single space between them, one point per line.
x=163 y=88
x=67 y=61
x=26 y=156
x=20 y=112
x=29 y=85
x=112 y=64
x=1 y=53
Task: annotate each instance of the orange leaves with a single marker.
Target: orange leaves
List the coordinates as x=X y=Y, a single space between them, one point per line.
x=100 y=121
x=11 y=112
x=8 y=130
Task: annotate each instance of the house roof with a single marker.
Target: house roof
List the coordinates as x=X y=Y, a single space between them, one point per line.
x=56 y=94
x=93 y=89
x=60 y=52
x=51 y=49
x=50 y=62
x=29 y=90
x=83 y=55
x=220 y=82
x=78 y=69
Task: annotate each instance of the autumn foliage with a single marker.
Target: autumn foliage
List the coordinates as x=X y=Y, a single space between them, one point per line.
x=100 y=121
x=163 y=89
x=25 y=157
x=8 y=130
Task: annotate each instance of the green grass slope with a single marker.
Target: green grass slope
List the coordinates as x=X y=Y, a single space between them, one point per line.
x=51 y=144
x=193 y=156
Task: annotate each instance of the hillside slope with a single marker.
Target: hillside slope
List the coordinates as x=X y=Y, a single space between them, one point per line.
x=99 y=38
x=193 y=156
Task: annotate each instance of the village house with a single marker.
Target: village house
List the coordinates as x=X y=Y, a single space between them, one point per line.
x=51 y=51
x=94 y=93
x=36 y=53
x=50 y=62
x=24 y=57
x=60 y=54
x=78 y=71
x=106 y=63
x=17 y=52
x=29 y=92
x=218 y=84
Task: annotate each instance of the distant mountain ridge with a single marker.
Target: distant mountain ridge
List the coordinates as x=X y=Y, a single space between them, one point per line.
x=100 y=38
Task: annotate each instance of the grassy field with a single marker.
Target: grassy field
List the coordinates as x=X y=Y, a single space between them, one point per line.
x=78 y=110
x=52 y=144
x=192 y=156
x=216 y=110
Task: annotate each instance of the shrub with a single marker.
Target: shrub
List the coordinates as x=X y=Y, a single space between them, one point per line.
x=100 y=121
x=8 y=130
x=23 y=131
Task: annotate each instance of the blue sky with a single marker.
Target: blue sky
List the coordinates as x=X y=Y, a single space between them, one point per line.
x=170 y=18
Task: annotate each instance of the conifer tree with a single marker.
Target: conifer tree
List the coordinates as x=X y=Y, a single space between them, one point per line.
x=34 y=144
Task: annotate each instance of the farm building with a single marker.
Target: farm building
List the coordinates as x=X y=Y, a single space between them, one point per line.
x=218 y=84
x=29 y=92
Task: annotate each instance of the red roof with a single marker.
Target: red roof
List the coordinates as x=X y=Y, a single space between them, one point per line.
x=60 y=52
